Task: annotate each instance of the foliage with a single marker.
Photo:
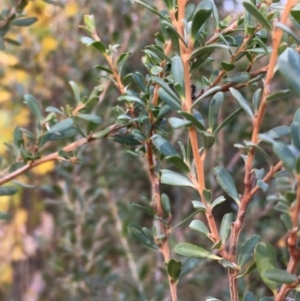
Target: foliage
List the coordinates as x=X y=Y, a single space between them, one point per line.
x=202 y=98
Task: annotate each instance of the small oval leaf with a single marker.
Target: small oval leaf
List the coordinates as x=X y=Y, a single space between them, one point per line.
x=61 y=126
x=190 y=250
x=242 y=101
x=199 y=226
x=170 y=177
x=226 y=182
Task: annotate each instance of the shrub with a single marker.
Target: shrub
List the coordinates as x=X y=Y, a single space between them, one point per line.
x=211 y=118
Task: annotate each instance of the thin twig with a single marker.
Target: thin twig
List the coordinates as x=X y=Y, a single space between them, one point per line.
x=54 y=156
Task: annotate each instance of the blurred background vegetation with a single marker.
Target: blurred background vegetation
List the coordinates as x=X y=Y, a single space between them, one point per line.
x=67 y=239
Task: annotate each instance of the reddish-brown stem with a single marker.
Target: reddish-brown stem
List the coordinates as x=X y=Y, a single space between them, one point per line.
x=292 y=244
x=161 y=228
x=185 y=52
x=257 y=121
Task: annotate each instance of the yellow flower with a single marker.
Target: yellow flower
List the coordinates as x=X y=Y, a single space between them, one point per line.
x=7 y=59
x=4 y=96
x=71 y=9
x=44 y=168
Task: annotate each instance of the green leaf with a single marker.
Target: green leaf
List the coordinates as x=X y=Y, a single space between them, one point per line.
x=178 y=73
x=280 y=276
x=286 y=219
x=189 y=265
x=18 y=137
x=249 y=269
x=242 y=101
x=24 y=21
x=172 y=33
x=199 y=226
x=295 y=134
x=227 y=66
x=265 y=259
x=5 y=216
x=216 y=15
x=11 y=41
x=139 y=80
x=99 y=46
x=140 y=235
x=208 y=49
x=76 y=92
x=122 y=60
x=103 y=69
x=164 y=146
x=90 y=117
x=178 y=162
x=156 y=70
x=206 y=139
x=285 y=155
x=174 y=269
x=288 y=31
x=249 y=297
x=218 y=201
x=165 y=87
x=289 y=67
x=228 y=120
x=8 y=190
x=23 y=185
x=143 y=208
x=241 y=77
x=131 y=98
x=207 y=195
x=102 y=133
x=61 y=126
x=226 y=226
x=178 y=122
x=278 y=95
x=152 y=9
x=206 y=94
x=226 y=182
x=252 y=10
x=173 y=178
x=166 y=204
x=170 y=100
x=262 y=185
x=163 y=110
x=193 y=119
x=189 y=11
x=87 y=41
x=190 y=250
x=295 y=12
x=127 y=139
x=158 y=52
x=198 y=205
x=89 y=21
x=53 y=109
x=214 y=108
x=278 y=132
x=70 y=132
x=261 y=150
x=33 y=105
x=170 y=4
x=203 y=12
x=245 y=252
